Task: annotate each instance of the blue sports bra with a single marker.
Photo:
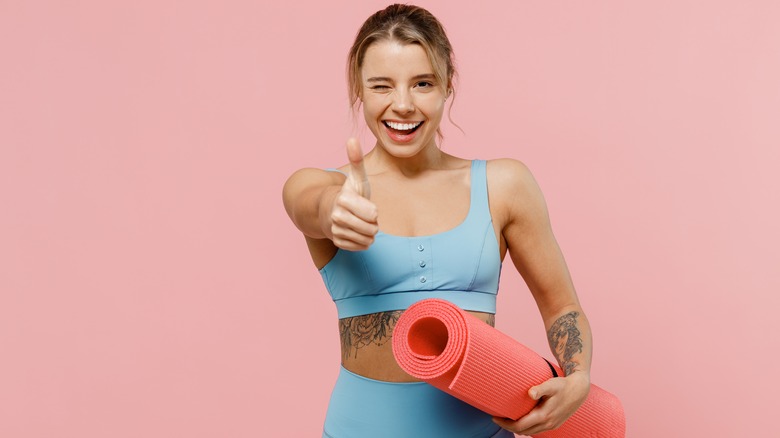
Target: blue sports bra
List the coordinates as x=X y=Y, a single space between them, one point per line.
x=461 y=265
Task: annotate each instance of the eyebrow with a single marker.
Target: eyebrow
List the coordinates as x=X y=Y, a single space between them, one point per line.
x=385 y=79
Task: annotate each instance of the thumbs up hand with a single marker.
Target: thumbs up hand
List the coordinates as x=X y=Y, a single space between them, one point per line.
x=358 y=180
x=354 y=217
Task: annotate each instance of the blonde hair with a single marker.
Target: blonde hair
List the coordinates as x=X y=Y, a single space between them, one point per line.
x=406 y=24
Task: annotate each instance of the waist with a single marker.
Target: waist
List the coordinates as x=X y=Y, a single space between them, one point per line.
x=366 y=345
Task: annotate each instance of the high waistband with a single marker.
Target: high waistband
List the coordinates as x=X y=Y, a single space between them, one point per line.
x=363 y=407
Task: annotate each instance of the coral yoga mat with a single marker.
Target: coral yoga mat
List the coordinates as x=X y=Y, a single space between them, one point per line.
x=437 y=342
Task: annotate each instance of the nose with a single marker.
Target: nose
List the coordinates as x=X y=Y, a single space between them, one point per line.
x=402 y=102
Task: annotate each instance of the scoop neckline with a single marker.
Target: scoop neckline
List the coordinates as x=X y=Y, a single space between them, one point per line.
x=456 y=227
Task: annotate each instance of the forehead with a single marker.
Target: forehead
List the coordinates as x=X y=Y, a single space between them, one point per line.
x=395 y=60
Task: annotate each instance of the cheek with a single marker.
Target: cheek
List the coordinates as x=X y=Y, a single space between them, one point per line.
x=369 y=114
x=372 y=108
x=435 y=108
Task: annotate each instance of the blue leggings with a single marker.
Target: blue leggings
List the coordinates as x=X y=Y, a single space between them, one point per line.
x=361 y=407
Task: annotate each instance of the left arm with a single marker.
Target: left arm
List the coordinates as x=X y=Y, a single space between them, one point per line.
x=528 y=236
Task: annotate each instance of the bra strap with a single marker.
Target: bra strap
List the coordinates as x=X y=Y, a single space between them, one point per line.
x=479 y=194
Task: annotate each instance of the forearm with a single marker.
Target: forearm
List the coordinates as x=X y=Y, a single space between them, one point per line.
x=559 y=398
x=569 y=335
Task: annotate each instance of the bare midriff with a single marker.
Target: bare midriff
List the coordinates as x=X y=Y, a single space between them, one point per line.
x=367 y=347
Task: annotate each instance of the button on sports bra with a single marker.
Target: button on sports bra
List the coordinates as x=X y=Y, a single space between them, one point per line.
x=461 y=265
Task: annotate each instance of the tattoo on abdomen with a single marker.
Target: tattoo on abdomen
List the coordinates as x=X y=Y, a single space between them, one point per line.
x=360 y=331
x=565 y=342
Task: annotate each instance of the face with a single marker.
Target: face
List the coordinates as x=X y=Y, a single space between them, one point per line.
x=402 y=102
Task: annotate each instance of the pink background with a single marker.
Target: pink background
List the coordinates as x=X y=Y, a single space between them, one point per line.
x=151 y=284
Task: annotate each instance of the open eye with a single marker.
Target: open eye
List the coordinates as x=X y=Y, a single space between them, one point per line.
x=424 y=84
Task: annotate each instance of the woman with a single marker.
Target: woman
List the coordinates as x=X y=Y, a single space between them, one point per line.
x=408 y=221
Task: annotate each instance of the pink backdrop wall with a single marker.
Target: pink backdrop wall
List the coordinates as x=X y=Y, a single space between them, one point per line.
x=151 y=284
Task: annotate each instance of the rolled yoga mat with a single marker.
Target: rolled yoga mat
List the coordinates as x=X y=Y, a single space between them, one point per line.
x=439 y=343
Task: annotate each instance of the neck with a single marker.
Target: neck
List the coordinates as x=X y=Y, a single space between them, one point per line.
x=431 y=157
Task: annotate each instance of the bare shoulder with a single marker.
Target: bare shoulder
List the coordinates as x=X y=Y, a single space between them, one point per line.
x=513 y=190
x=510 y=178
x=508 y=171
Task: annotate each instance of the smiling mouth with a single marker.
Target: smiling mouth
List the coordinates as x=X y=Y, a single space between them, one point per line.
x=402 y=128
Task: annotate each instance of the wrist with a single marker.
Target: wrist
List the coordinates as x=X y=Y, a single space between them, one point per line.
x=582 y=376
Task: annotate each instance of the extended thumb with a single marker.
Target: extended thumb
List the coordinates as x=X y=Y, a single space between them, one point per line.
x=357 y=169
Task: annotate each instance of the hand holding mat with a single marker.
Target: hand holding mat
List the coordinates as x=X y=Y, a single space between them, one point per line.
x=437 y=342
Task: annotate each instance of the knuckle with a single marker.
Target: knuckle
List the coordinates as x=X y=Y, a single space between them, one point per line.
x=366 y=242
x=358 y=246
x=339 y=217
x=346 y=244
x=344 y=194
x=550 y=423
x=337 y=232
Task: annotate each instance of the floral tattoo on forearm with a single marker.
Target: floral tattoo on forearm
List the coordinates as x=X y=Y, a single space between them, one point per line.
x=565 y=342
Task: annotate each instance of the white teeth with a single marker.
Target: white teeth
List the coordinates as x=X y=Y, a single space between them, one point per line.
x=402 y=126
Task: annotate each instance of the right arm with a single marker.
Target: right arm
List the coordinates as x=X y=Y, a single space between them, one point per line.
x=325 y=205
